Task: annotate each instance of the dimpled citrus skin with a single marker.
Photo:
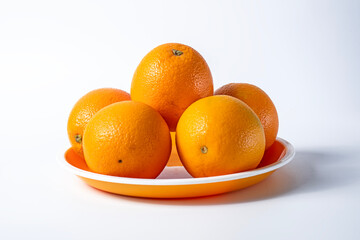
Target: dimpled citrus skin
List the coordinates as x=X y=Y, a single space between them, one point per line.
x=84 y=110
x=259 y=102
x=219 y=135
x=127 y=139
x=171 y=77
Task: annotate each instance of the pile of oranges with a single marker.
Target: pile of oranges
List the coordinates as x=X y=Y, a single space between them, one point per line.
x=128 y=135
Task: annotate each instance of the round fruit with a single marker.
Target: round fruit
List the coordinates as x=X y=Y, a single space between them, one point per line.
x=259 y=102
x=171 y=77
x=174 y=159
x=85 y=109
x=127 y=139
x=219 y=135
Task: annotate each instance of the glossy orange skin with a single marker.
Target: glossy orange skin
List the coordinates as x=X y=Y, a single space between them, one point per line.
x=127 y=139
x=170 y=83
x=231 y=132
x=259 y=102
x=86 y=107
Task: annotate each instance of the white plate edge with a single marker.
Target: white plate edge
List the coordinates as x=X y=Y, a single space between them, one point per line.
x=289 y=155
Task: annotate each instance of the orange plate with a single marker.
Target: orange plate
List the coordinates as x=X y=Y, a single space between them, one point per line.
x=175 y=182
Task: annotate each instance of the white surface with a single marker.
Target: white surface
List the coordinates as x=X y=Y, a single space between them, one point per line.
x=304 y=54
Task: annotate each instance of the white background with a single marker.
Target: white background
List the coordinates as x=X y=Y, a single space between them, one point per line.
x=304 y=54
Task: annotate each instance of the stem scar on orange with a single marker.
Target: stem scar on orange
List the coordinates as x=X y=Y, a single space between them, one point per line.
x=219 y=135
x=84 y=110
x=259 y=102
x=171 y=77
x=127 y=139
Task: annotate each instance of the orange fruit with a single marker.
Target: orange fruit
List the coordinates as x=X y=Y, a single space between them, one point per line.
x=174 y=160
x=259 y=102
x=127 y=139
x=85 y=109
x=219 y=135
x=171 y=77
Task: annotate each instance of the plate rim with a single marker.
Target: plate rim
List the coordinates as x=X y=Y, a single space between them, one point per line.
x=289 y=155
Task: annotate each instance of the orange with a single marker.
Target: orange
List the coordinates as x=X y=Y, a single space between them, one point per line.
x=219 y=135
x=174 y=160
x=85 y=108
x=171 y=77
x=259 y=102
x=127 y=139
